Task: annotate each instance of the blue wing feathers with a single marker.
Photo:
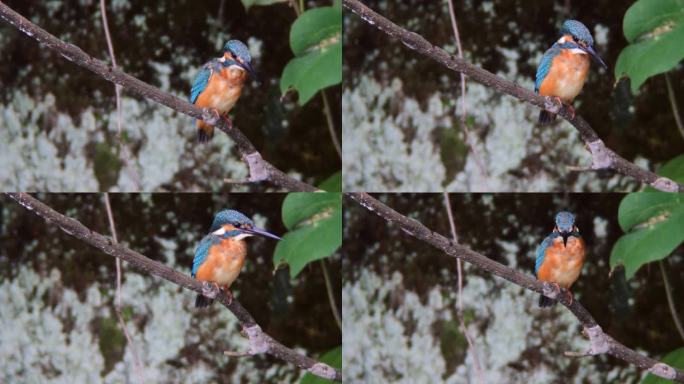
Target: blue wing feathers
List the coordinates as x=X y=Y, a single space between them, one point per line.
x=201 y=82
x=545 y=66
x=541 y=252
x=201 y=253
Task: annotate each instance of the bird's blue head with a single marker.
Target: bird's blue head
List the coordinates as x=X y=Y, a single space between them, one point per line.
x=578 y=31
x=233 y=224
x=580 y=39
x=565 y=222
x=237 y=51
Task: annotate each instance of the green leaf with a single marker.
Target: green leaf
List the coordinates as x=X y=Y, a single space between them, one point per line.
x=674 y=169
x=316 y=41
x=656 y=220
x=314 y=27
x=299 y=206
x=333 y=358
x=315 y=224
x=645 y=17
x=656 y=30
x=637 y=208
x=332 y=183
x=674 y=359
x=249 y=3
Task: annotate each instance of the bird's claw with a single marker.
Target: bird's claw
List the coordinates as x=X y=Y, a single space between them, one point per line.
x=571 y=297
x=229 y=294
x=210 y=289
x=229 y=122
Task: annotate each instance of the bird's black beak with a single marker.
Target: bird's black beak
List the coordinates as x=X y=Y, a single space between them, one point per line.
x=565 y=236
x=260 y=232
x=590 y=50
x=250 y=70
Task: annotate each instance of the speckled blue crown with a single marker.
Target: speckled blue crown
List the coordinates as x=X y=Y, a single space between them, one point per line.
x=238 y=49
x=565 y=221
x=229 y=216
x=578 y=30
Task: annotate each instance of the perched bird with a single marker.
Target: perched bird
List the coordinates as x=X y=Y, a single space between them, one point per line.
x=560 y=256
x=564 y=67
x=220 y=255
x=219 y=85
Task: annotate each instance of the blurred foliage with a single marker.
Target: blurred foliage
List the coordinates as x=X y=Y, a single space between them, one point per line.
x=314 y=221
x=655 y=31
x=654 y=227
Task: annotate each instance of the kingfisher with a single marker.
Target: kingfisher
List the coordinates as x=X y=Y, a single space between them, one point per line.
x=564 y=67
x=560 y=256
x=219 y=85
x=221 y=254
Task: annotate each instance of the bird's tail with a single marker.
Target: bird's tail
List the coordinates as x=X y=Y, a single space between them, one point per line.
x=204 y=131
x=202 y=301
x=546 y=117
x=546 y=302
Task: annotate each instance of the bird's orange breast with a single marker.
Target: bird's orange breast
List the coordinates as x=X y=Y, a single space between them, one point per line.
x=566 y=76
x=223 y=263
x=563 y=264
x=223 y=90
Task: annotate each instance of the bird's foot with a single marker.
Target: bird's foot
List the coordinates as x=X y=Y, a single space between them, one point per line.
x=571 y=297
x=210 y=289
x=229 y=121
x=570 y=108
x=556 y=287
x=560 y=102
x=229 y=294
x=572 y=111
x=216 y=113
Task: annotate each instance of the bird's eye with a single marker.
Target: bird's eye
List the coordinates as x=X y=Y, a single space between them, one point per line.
x=238 y=225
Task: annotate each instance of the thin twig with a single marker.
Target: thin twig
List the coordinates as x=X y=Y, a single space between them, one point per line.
x=331 y=124
x=602 y=156
x=295 y=6
x=600 y=342
x=670 y=301
x=259 y=169
x=331 y=295
x=136 y=359
x=673 y=103
x=470 y=138
x=125 y=153
x=464 y=329
x=259 y=341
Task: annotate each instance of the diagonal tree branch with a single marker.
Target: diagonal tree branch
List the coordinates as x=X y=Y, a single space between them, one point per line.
x=259 y=341
x=259 y=169
x=602 y=157
x=600 y=342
